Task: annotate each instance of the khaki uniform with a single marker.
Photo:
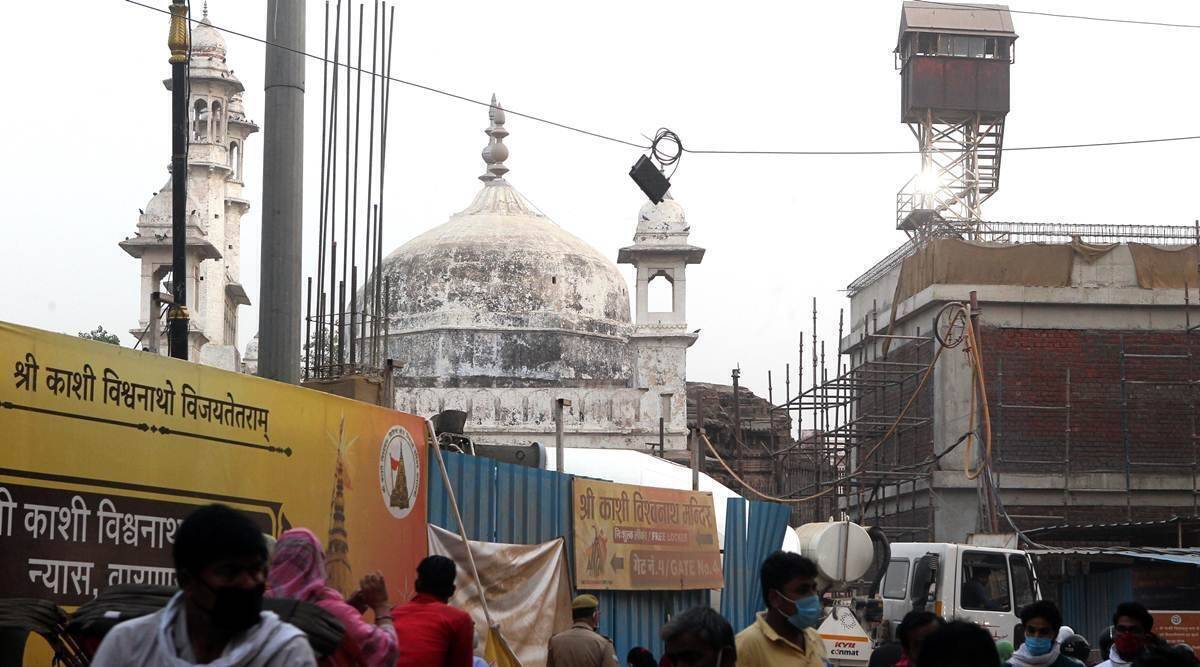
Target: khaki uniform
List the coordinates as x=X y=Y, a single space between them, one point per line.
x=581 y=646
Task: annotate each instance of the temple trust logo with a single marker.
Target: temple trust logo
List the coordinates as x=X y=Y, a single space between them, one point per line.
x=399 y=472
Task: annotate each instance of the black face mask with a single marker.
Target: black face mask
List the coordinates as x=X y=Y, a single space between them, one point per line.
x=235 y=609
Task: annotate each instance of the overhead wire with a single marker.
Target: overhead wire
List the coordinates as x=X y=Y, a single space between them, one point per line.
x=953 y=6
x=413 y=84
x=696 y=151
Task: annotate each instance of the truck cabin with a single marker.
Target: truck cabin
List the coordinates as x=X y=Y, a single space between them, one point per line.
x=982 y=580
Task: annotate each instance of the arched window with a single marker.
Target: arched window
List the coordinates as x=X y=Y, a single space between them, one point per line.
x=235 y=161
x=660 y=293
x=218 y=122
x=200 y=120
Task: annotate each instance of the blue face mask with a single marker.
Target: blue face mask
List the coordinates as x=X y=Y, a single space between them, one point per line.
x=808 y=611
x=1038 y=645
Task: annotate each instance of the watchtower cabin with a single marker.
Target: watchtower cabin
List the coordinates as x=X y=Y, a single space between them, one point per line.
x=954 y=68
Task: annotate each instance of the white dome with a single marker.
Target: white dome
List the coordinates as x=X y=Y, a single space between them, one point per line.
x=158 y=211
x=662 y=222
x=502 y=260
x=501 y=294
x=207 y=40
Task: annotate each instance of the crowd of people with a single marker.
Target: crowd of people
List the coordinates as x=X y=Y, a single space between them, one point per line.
x=225 y=570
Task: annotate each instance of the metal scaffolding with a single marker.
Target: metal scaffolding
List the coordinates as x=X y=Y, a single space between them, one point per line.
x=849 y=413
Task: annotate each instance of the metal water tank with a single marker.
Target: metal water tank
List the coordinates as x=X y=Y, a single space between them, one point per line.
x=842 y=550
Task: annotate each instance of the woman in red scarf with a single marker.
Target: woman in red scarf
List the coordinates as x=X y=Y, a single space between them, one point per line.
x=298 y=573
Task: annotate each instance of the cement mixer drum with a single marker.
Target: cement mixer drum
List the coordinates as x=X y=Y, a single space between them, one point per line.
x=842 y=550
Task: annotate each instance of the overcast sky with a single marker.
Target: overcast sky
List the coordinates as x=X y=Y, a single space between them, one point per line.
x=88 y=140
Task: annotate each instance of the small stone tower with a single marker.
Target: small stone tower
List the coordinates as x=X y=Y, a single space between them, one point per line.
x=660 y=254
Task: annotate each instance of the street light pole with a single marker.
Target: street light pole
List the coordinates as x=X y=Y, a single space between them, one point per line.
x=177 y=316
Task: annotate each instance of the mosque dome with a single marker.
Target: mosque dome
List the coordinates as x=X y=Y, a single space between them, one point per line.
x=501 y=261
x=501 y=265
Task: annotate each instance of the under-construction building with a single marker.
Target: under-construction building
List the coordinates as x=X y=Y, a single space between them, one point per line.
x=1077 y=419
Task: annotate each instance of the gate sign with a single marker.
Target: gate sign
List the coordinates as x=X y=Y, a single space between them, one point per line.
x=644 y=538
x=1178 y=627
x=104 y=451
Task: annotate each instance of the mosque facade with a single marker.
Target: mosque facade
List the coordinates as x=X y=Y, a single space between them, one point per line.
x=500 y=313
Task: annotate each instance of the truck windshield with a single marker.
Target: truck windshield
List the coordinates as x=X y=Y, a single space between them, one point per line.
x=985 y=582
x=1022 y=580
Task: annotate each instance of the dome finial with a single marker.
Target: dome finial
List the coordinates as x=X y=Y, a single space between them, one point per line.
x=205 y=16
x=495 y=153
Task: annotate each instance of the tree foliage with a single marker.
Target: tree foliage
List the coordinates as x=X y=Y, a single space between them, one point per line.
x=99 y=334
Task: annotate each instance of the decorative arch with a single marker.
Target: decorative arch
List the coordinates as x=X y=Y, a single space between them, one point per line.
x=200 y=120
x=216 y=121
x=235 y=160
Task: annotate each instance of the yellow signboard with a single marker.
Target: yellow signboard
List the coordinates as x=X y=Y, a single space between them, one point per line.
x=644 y=538
x=104 y=451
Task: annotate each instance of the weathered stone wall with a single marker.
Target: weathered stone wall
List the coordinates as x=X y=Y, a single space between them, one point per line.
x=764 y=432
x=512 y=358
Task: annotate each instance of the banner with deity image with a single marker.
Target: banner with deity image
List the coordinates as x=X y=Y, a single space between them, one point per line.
x=106 y=450
x=643 y=538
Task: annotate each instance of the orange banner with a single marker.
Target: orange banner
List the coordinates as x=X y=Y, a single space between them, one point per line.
x=644 y=538
x=106 y=450
x=1178 y=627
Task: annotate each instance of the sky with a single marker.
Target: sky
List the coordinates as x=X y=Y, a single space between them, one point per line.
x=88 y=124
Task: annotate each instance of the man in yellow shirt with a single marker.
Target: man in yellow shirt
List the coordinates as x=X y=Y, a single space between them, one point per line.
x=786 y=633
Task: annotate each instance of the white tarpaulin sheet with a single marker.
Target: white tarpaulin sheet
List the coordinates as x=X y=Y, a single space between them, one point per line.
x=527 y=589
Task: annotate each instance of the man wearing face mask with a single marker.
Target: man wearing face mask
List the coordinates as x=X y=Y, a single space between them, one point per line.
x=786 y=633
x=1132 y=625
x=1042 y=625
x=217 y=617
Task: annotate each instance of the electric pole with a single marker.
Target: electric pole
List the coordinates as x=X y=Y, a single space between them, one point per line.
x=177 y=315
x=280 y=311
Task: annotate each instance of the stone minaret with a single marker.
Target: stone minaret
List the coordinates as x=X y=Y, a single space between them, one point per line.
x=660 y=255
x=217 y=136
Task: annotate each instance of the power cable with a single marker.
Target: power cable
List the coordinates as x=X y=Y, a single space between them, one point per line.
x=404 y=82
x=681 y=148
x=957 y=312
x=1093 y=144
x=950 y=6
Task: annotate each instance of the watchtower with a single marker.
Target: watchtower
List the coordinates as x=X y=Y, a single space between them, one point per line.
x=954 y=65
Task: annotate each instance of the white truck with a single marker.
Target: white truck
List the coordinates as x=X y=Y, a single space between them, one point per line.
x=983 y=585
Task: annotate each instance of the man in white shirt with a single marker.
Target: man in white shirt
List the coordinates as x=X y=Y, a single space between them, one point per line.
x=217 y=617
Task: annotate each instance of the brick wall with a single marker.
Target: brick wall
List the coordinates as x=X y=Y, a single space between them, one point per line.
x=1152 y=417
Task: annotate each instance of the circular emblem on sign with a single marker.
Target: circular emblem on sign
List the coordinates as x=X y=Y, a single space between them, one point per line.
x=399 y=472
x=1176 y=619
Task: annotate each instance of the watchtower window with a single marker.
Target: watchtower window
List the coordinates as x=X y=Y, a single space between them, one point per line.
x=961 y=46
x=660 y=293
x=927 y=44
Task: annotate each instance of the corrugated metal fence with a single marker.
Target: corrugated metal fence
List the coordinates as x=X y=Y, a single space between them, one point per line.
x=1087 y=601
x=748 y=541
x=501 y=502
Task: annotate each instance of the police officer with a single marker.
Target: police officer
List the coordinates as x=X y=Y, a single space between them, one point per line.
x=581 y=645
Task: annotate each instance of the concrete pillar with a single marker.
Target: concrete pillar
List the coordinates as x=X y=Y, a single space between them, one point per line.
x=283 y=173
